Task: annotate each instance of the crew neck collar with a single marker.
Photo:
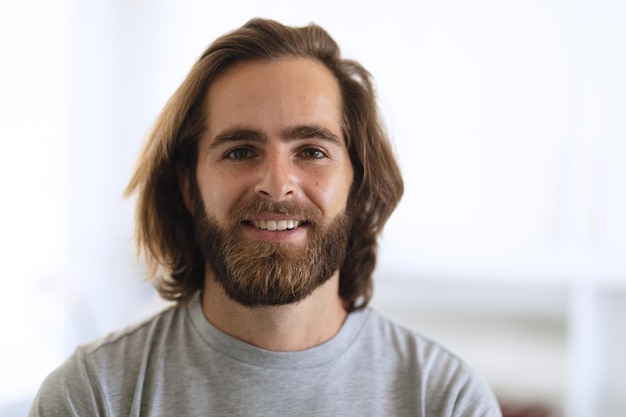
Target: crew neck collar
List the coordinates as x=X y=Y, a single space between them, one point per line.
x=252 y=355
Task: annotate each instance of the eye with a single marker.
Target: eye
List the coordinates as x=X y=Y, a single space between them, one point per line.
x=313 y=153
x=239 y=154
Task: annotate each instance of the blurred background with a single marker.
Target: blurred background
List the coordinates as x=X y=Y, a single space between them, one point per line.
x=509 y=122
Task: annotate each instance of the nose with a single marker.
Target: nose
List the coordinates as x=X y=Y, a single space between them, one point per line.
x=277 y=179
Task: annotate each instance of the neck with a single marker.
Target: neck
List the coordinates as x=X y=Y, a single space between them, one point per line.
x=291 y=327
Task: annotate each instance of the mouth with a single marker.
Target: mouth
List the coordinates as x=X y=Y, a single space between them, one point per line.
x=276 y=225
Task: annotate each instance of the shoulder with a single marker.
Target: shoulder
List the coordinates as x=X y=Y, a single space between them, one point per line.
x=70 y=390
x=420 y=363
x=128 y=340
x=405 y=343
x=406 y=348
x=109 y=365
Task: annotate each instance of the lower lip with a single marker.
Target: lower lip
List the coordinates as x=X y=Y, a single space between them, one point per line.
x=289 y=235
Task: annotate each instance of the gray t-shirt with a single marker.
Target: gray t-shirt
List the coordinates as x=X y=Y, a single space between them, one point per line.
x=178 y=364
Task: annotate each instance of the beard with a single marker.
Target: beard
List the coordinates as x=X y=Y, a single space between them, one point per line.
x=257 y=273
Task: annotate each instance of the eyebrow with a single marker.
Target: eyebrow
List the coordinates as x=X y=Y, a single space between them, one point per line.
x=241 y=134
x=310 y=132
x=237 y=135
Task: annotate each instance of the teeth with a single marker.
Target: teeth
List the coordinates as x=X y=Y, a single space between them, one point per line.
x=274 y=225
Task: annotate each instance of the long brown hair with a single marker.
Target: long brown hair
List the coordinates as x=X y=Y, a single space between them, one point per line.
x=165 y=228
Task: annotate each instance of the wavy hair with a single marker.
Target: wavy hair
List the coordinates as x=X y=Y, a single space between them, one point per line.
x=164 y=226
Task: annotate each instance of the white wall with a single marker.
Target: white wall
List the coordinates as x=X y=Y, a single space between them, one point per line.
x=509 y=245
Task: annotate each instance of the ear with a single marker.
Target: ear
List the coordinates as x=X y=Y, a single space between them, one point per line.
x=182 y=176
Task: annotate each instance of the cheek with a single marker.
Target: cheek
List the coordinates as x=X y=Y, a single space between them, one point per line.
x=219 y=193
x=334 y=191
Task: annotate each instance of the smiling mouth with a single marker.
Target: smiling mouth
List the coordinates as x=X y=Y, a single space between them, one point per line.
x=276 y=225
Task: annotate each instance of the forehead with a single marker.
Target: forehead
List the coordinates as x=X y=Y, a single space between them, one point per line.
x=274 y=94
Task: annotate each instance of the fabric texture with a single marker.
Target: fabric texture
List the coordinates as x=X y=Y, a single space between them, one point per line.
x=178 y=364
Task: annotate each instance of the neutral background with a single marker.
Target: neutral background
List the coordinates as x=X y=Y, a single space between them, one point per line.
x=508 y=119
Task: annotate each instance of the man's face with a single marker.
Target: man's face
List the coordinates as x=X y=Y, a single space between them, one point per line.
x=273 y=179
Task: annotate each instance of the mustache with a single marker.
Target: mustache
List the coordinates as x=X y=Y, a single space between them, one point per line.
x=246 y=210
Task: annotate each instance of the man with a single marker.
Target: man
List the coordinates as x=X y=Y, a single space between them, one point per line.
x=262 y=190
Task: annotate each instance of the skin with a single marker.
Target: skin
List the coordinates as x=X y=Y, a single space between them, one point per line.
x=274 y=132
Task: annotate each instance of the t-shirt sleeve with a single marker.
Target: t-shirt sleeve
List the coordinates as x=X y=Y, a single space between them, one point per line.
x=454 y=388
x=70 y=390
x=475 y=398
